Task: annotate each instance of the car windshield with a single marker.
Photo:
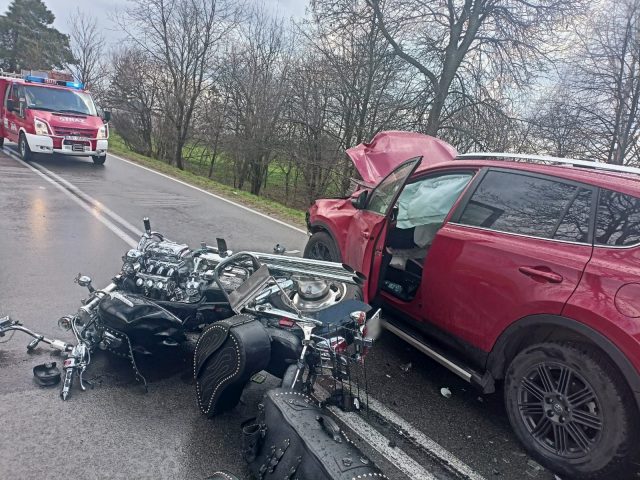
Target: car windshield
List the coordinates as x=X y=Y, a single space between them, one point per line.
x=59 y=100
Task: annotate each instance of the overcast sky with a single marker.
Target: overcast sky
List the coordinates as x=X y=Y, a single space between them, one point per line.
x=101 y=9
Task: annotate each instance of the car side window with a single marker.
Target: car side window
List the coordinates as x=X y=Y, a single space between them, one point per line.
x=529 y=205
x=386 y=192
x=574 y=225
x=618 y=219
x=19 y=99
x=10 y=94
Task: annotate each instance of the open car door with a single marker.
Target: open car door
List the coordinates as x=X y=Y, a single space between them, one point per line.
x=365 y=239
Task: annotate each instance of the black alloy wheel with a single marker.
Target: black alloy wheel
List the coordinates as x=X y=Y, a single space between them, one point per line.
x=560 y=409
x=322 y=247
x=572 y=410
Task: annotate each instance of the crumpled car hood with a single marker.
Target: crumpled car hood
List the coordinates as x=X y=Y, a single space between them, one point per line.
x=387 y=150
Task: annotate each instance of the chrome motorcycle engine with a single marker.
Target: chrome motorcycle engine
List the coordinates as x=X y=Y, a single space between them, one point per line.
x=164 y=270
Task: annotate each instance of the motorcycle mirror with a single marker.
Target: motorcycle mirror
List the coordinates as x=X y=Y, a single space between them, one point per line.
x=65 y=322
x=84 y=281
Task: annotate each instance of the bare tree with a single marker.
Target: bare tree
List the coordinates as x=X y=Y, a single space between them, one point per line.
x=367 y=85
x=135 y=87
x=182 y=36
x=87 y=46
x=509 y=38
x=606 y=82
x=256 y=80
x=316 y=149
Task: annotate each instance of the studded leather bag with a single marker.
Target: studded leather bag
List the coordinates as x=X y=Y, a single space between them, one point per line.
x=300 y=441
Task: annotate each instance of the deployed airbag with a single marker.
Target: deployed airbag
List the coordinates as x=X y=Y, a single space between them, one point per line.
x=428 y=202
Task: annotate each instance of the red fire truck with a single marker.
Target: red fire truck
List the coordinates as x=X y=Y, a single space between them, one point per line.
x=45 y=115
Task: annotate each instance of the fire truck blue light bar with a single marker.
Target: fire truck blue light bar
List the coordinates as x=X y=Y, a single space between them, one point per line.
x=34 y=79
x=77 y=85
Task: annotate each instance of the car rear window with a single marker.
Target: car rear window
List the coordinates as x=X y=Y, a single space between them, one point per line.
x=618 y=219
x=530 y=205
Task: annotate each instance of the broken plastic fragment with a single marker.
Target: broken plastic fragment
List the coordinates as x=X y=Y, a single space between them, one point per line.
x=445 y=392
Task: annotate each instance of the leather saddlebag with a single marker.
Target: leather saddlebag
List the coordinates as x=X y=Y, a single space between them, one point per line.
x=285 y=350
x=222 y=475
x=227 y=355
x=295 y=439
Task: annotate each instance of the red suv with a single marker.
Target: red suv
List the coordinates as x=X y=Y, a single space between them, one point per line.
x=523 y=269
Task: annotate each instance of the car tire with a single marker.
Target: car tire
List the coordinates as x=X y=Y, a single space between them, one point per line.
x=23 y=148
x=322 y=247
x=99 y=159
x=570 y=407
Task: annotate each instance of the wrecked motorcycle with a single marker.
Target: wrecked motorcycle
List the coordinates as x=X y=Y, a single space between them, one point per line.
x=295 y=345
x=166 y=292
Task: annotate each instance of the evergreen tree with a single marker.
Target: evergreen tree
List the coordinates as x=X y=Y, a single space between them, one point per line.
x=28 y=39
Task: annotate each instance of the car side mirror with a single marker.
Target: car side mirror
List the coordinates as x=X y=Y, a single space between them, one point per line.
x=360 y=201
x=106 y=116
x=11 y=105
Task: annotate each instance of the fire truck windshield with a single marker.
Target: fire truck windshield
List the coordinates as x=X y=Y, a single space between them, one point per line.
x=59 y=100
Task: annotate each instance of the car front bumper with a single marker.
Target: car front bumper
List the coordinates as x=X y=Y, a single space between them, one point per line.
x=46 y=144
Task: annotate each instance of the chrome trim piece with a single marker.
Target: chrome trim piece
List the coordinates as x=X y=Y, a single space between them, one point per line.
x=595 y=245
x=448 y=364
x=332 y=271
x=486 y=229
x=545 y=158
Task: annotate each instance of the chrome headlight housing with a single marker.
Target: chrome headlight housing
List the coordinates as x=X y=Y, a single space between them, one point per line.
x=41 y=127
x=102 y=133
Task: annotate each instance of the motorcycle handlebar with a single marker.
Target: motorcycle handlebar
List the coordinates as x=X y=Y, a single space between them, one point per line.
x=94 y=302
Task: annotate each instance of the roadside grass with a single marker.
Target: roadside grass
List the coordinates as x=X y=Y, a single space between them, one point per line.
x=269 y=207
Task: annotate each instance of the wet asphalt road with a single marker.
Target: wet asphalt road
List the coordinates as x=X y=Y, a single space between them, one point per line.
x=117 y=431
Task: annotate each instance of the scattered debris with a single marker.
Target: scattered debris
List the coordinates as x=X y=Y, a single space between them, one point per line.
x=533 y=464
x=445 y=392
x=496 y=471
x=480 y=399
x=534 y=468
x=556 y=477
x=387 y=375
x=406 y=367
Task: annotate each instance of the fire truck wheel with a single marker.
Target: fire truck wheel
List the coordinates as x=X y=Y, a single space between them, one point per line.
x=23 y=147
x=99 y=159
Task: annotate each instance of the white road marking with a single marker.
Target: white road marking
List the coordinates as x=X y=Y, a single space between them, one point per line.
x=374 y=438
x=97 y=204
x=424 y=441
x=380 y=443
x=211 y=194
x=97 y=215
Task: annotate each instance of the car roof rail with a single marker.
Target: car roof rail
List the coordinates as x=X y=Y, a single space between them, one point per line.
x=549 y=160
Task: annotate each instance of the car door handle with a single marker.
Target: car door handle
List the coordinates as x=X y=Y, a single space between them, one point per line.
x=538 y=272
x=365 y=234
